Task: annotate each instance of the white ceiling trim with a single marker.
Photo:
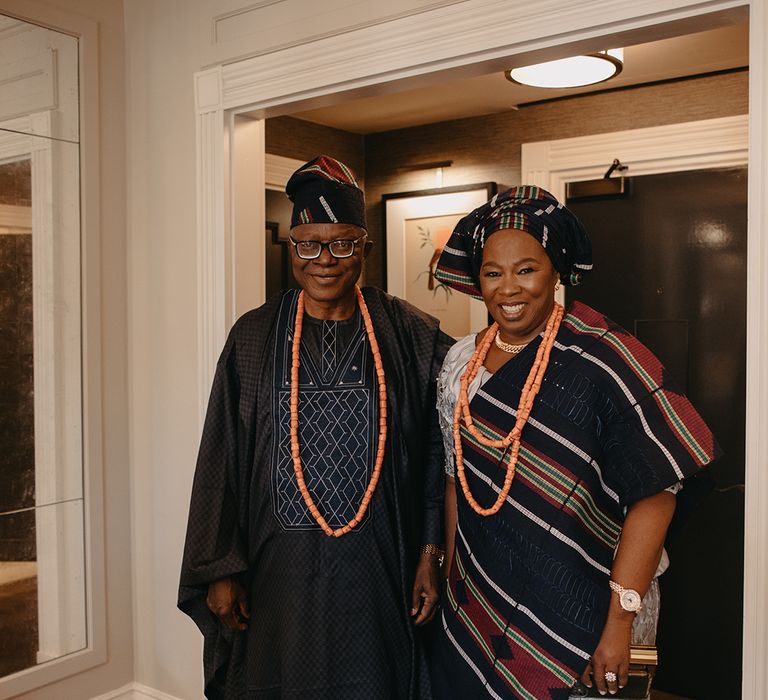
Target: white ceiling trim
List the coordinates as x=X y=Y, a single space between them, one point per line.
x=440 y=39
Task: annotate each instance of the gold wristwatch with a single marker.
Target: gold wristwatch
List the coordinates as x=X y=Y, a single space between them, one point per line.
x=629 y=599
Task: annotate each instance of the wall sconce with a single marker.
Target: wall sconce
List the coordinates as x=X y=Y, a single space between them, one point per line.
x=576 y=71
x=437 y=165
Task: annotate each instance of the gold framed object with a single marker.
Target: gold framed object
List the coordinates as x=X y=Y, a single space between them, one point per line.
x=643 y=661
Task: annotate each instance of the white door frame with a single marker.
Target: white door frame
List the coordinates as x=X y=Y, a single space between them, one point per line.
x=462 y=36
x=710 y=143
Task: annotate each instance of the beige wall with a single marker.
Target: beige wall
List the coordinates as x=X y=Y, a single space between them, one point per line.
x=162 y=43
x=118 y=670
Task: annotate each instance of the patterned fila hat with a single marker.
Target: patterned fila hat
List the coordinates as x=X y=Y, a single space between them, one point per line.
x=324 y=191
x=526 y=208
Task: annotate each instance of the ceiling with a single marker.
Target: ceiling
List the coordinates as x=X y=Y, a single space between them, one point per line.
x=726 y=48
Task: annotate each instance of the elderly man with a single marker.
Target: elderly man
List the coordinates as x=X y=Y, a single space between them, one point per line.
x=315 y=524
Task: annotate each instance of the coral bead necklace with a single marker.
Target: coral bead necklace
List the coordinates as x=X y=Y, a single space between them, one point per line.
x=295 y=449
x=530 y=390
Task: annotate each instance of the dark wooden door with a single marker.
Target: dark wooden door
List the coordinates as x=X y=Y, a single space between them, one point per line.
x=670 y=266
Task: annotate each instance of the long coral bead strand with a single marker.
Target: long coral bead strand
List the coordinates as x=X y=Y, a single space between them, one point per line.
x=294 y=424
x=529 y=393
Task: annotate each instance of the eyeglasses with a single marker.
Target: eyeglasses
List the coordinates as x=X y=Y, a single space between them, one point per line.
x=341 y=248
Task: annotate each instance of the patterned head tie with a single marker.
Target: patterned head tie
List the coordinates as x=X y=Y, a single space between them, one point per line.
x=324 y=191
x=528 y=208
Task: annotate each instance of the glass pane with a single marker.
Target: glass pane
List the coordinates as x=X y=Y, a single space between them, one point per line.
x=42 y=597
x=40 y=365
x=38 y=80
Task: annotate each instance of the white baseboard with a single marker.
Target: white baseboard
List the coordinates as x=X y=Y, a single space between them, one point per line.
x=136 y=691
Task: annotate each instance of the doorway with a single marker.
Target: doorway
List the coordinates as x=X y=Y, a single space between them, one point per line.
x=670 y=266
x=287 y=80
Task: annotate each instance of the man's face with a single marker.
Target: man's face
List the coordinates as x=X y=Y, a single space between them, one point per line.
x=326 y=279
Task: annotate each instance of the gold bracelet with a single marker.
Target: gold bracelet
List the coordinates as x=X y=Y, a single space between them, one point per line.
x=434 y=550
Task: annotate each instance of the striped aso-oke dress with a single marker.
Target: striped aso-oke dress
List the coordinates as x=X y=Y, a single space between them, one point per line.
x=528 y=595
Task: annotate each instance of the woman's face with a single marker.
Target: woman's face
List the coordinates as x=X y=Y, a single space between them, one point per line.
x=518 y=284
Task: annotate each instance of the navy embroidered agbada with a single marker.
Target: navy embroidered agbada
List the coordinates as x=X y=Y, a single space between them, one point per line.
x=329 y=617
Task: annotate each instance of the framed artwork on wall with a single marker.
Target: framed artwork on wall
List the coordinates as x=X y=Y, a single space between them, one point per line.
x=417 y=225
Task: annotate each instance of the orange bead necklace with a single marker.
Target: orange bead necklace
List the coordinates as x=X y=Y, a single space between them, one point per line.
x=295 y=450
x=530 y=390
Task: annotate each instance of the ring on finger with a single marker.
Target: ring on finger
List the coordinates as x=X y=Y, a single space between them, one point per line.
x=610 y=676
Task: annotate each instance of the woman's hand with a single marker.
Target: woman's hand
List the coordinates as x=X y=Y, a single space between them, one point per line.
x=611 y=655
x=637 y=556
x=426 y=589
x=227 y=599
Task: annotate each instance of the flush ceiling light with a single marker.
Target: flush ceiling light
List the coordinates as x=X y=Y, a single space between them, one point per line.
x=576 y=71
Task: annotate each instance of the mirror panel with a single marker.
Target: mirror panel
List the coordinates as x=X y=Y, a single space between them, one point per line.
x=42 y=556
x=40 y=372
x=42 y=597
x=38 y=76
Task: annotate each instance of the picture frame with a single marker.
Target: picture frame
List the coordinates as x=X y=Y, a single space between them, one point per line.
x=416 y=225
x=274 y=232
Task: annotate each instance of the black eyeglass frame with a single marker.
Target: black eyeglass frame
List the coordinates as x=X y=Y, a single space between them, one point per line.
x=328 y=244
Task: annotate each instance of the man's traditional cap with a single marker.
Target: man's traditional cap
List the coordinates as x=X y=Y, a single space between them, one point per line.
x=528 y=208
x=324 y=191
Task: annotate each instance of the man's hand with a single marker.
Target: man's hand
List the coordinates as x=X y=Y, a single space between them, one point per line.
x=425 y=589
x=228 y=600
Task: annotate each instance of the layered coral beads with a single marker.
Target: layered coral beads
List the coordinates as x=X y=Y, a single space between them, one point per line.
x=294 y=425
x=530 y=390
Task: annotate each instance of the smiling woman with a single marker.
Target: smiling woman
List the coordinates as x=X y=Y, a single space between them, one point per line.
x=571 y=429
x=518 y=282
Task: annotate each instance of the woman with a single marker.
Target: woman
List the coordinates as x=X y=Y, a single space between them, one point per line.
x=569 y=443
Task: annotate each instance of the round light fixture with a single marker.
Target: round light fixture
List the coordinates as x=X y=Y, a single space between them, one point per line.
x=576 y=71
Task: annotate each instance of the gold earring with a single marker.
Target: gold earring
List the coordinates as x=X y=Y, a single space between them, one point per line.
x=557 y=286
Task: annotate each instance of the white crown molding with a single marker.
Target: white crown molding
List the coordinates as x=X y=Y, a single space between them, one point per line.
x=446 y=37
x=710 y=143
x=240 y=33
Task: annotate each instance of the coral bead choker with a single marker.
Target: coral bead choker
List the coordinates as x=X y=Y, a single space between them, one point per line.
x=295 y=448
x=530 y=390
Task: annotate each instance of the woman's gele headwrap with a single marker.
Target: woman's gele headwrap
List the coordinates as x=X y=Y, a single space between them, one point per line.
x=324 y=190
x=527 y=208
